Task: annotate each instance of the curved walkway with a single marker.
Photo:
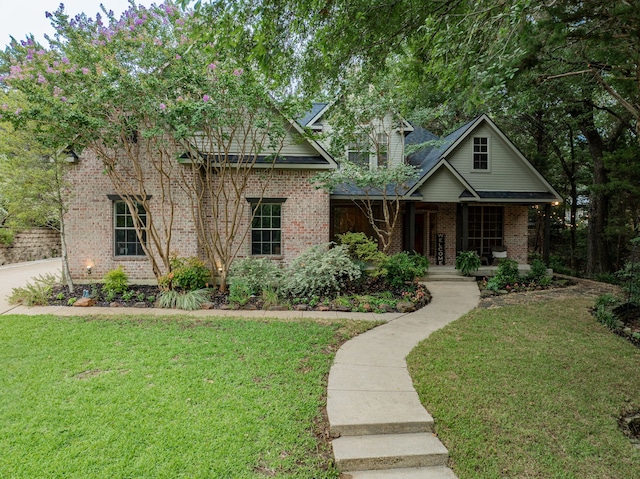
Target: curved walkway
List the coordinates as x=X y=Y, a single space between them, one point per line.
x=384 y=430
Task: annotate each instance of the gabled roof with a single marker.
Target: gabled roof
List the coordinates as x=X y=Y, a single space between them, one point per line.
x=434 y=156
x=317 y=110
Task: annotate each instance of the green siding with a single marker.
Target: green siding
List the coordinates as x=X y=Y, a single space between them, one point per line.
x=507 y=172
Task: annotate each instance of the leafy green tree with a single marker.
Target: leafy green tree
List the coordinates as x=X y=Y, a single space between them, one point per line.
x=33 y=192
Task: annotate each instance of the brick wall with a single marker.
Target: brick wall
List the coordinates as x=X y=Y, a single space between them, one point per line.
x=30 y=245
x=516 y=232
x=90 y=220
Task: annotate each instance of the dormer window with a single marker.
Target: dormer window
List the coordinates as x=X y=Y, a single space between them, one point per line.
x=480 y=153
x=359 y=151
x=382 y=149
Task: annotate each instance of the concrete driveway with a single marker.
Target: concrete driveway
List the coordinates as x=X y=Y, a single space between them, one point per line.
x=19 y=274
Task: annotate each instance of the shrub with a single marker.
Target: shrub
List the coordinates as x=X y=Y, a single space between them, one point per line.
x=468 y=262
x=362 y=248
x=188 y=274
x=115 y=281
x=404 y=267
x=603 y=310
x=269 y=297
x=630 y=280
x=507 y=273
x=538 y=273
x=240 y=291
x=35 y=293
x=257 y=273
x=187 y=300
x=6 y=236
x=320 y=270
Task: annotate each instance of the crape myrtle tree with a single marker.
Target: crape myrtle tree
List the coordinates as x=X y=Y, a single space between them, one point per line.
x=363 y=122
x=139 y=92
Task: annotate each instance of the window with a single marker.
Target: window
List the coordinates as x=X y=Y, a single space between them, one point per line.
x=480 y=153
x=485 y=228
x=127 y=242
x=382 y=149
x=358 y=151
x=266 y=228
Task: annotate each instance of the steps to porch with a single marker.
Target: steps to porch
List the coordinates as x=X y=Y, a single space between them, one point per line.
x=382 y=430
x=449 y=273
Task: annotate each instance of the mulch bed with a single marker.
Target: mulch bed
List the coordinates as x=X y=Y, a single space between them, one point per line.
x=408 y=299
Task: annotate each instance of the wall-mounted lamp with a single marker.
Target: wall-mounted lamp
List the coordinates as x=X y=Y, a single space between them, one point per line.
x=88 y=269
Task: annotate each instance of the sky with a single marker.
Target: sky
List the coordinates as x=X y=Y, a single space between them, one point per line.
x=21 y=17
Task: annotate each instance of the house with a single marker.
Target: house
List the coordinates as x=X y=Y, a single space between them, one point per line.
x=473 y=193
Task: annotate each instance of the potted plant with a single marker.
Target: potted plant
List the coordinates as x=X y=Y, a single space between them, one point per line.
x=467 y=262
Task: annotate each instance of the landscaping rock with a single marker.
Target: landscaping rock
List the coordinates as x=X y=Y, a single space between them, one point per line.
x=405 y=307
x=207 y=306
x=84 y=302
x=324 y=307
x=366 y=307
x=140 y=304
x=226 y=306
x=387 y=308
x=343 y=309
x=301 y=307
x=114 y=304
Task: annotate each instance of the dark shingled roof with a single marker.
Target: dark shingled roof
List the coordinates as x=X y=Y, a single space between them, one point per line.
x=315 y=109
x=511 y=195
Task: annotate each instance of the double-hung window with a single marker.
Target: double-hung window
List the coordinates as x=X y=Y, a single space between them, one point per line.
x=266 y=227
x=359 y=150
x=382 y=149
x=480 y=153
x=126 y=240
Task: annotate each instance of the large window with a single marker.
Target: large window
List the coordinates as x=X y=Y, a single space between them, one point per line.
x=480 y=153
x=266 y=229
x=485 y=228
x=359 y=150
x=382 y=149
x=127 y=242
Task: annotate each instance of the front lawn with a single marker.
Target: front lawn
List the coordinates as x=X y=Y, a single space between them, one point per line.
x=531 y=391
x=165 y=398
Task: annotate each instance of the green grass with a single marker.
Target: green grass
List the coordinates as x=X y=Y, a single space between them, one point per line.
x=531 y=392
x=164 y=398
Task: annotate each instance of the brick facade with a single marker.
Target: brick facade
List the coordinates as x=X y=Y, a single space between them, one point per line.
x=515 y=231
x=90 y=218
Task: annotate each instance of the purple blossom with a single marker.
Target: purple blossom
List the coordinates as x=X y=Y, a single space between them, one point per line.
x=138 y=21
x=206 y=98
x=4 y=106
x=212 y=66
x=178 y=57
x=163 y=107
x=238 y=71
x=63 y=99
x=41 y=79
x=18 y=111
x=65 y=60
x=85 y=71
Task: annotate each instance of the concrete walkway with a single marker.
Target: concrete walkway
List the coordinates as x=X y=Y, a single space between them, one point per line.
x=384 y=430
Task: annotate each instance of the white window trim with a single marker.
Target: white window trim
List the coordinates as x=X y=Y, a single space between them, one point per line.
x=473 y=152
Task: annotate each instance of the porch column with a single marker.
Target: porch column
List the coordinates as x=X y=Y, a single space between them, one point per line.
x=547 y=234
x=465 y=227
x=409 y=229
